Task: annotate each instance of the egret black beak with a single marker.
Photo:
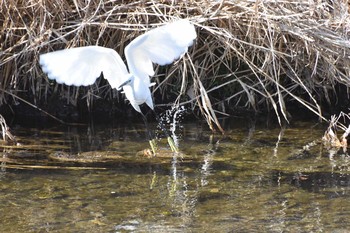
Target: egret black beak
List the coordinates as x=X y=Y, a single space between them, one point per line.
x=124 y=83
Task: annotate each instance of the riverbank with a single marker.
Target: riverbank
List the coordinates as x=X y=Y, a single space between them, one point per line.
x=258 y=56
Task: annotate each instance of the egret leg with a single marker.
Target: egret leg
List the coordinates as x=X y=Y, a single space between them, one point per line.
x=150 y=137
x=171 y=142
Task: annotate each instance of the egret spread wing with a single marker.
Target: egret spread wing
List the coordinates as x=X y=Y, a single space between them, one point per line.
x=161 y=45
x=81 y=66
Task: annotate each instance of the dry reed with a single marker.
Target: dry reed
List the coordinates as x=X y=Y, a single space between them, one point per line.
x=250 y=54
x=7 y=136
x=330 y=138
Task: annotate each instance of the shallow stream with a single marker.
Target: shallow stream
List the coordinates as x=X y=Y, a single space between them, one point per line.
x=99 y=178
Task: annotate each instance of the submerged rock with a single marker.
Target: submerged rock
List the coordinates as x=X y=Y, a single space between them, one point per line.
x=85 y=157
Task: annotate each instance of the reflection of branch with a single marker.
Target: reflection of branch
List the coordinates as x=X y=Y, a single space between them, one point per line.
x=208 y=160
x=173 y=183
x=3 y=161
x=280 y=135
x=153 y=181
x=251 y=132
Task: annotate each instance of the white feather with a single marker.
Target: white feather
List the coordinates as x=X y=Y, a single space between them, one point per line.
x=83 y=65
x=161 y=46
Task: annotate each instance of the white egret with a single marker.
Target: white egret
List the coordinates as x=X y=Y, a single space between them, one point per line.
x=81 y=66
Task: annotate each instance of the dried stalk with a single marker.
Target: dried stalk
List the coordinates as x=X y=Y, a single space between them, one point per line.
x=251 y=54
x=7 y=136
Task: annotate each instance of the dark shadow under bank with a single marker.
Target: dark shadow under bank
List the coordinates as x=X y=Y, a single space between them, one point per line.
x=69 y=116
x=114 y=110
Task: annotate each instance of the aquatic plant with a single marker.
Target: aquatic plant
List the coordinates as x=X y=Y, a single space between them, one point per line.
x=259 y=55
x=337 y=124
x=7 y=136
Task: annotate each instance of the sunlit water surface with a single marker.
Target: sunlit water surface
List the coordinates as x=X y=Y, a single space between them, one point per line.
x=93 y=178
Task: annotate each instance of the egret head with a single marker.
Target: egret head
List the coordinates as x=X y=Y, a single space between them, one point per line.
x=128 y=81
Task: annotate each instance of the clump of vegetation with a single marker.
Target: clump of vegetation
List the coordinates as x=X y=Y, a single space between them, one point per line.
x=248 y=54
x=330 y=138
x=7 y=136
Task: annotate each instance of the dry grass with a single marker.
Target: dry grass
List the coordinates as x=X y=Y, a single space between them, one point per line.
x=251 y=54
x=330 y=139
x=7 y=136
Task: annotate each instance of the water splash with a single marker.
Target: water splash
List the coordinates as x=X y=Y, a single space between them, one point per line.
x=173 y=118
